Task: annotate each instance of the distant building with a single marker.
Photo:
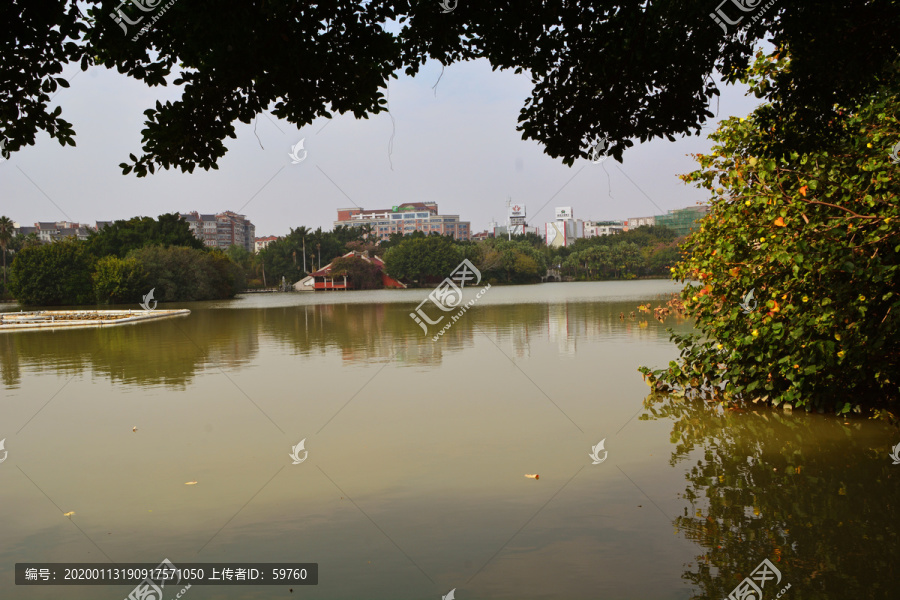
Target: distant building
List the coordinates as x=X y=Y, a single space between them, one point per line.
x=680 y=220
x=683 y=220
x=565 y=230
x=19 y=230
x=263 y=242
x=405 y=218
x=635 y=222
x=222 y=230
x=502 y=231
x=598 y=228
x=48 y=231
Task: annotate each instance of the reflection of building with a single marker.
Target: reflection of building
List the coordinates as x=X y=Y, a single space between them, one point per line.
x=558 y=328
x=222 y=230
x=323 y=279
x=405 y=219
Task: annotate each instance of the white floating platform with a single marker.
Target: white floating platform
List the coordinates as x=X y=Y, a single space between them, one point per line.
x=68 y=319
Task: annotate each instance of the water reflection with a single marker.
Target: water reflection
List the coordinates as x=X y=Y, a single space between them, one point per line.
x=814 y=494
x=169 y=353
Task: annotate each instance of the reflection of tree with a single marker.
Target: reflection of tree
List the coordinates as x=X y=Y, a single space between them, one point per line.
x=166 y=352
x=9 y=364
x=169 y=352
x=815 y=496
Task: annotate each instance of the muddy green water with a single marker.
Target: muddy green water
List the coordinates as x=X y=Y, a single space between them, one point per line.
x=414 y=483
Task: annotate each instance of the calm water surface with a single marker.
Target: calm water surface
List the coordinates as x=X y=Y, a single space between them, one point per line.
x=418 y=450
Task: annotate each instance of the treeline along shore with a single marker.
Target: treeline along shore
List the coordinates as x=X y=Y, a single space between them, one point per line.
x=121 y=262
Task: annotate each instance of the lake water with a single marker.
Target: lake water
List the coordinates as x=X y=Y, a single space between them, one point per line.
x=415 y=478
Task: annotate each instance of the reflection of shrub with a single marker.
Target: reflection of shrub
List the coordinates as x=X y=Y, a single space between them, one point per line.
x=52 y=274
x=119 y=281
x=184 y=274
x=361 y=274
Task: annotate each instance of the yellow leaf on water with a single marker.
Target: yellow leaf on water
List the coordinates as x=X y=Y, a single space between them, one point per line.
x=534 y=476
x=69 y=514
x=191 y=483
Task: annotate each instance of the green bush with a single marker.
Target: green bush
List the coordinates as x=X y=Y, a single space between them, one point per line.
x=185 y=274
x=119 y=281
x=815 y=237
x=422 y=259
x=52 y=275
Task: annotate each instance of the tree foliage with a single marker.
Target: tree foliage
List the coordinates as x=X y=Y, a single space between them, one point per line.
x=360 y=273
x=814 y=235
x=620 y=70
x=119 y=280
x=648 y=251
x=181 y=274
x=284 y=256
x=508 y=261
x=121 y=237
x=765 y=484
x=422 y=259
x=52 y=274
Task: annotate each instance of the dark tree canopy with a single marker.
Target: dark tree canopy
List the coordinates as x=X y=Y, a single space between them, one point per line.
x=619 y=70
x=121 y=237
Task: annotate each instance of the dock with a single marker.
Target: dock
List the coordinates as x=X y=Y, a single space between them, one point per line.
x=70 y=319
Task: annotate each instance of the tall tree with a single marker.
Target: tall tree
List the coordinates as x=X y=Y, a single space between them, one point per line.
x=814 y=237
x=619 y=70
x=121 y=237
x=6 y=234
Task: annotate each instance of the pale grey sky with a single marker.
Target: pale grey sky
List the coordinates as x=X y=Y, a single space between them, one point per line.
x=459 y=148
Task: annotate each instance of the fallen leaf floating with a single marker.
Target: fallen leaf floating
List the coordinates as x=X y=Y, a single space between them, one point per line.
x=134 y=428
x=69 y=514
x=535 y=476
x=190 y=483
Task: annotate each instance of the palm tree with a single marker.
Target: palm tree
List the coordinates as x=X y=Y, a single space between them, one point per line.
x=6 y=233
